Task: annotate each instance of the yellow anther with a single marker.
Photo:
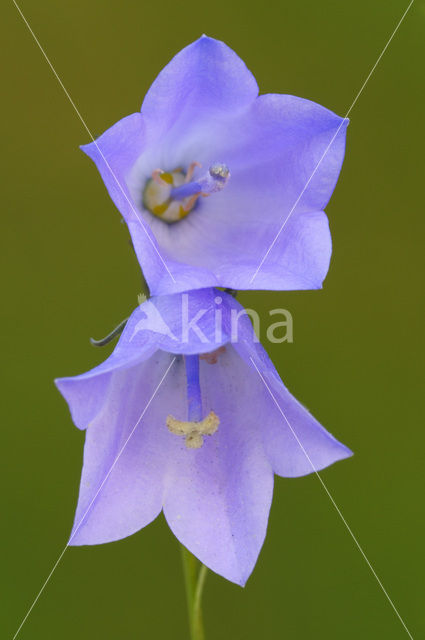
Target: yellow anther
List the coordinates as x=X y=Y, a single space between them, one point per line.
x=157 y=176
x=167 y=177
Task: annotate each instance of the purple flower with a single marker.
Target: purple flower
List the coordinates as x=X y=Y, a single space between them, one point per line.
x=182 y=420
x=268 y=165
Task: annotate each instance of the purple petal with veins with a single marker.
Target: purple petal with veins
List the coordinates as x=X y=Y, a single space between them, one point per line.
x=264 y=228
x=194 y=424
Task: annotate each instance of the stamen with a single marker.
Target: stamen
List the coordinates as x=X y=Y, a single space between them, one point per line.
x=188 y=206
x=196 y=427
x=157 y=176
x=191 y=170
x=212 y=356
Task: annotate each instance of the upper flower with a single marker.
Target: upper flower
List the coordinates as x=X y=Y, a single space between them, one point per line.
x=220 y=186
x=196 y=434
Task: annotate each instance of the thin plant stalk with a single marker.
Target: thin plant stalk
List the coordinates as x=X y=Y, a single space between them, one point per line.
x=194 y=577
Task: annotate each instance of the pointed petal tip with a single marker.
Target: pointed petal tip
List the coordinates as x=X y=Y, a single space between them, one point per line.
x=89 y=150
x=241 y=578
x=348 y=453
x=59 y=383
x=238 y=579
x=343 y=453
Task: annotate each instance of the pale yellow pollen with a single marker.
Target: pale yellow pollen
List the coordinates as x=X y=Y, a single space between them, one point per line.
x=194 y=432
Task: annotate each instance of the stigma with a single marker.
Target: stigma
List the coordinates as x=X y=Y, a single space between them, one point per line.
x=194 y=432
x=171 y=196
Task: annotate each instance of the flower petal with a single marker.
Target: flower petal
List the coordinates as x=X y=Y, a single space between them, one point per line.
x=266 y=229
x=115 y=152
x=180 y=323
x=298 y=259
x=295 y=442
x=284 y=154
x=203 y=80
x=127 y=451
x=206 y=80
x=218 y=497
x=288 y=147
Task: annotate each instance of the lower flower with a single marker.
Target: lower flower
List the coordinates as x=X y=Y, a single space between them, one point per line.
x=194 y=421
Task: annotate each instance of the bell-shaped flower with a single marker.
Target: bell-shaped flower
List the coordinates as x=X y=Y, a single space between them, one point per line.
x=220 y=186
x=189 y=416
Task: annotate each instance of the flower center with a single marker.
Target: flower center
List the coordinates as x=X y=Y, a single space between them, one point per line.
x=172 y=195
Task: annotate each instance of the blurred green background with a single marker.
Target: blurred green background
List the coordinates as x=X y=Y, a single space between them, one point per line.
x=356 y=361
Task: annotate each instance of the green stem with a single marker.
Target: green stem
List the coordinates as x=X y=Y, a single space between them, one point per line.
x=194 y=578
